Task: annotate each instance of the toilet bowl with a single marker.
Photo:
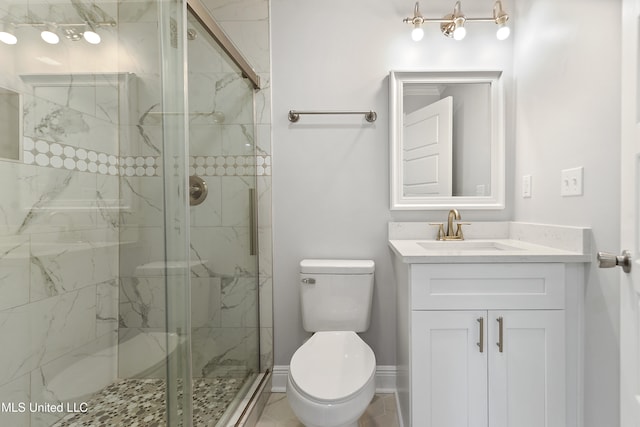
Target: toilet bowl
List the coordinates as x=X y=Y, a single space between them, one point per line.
x=331 y=379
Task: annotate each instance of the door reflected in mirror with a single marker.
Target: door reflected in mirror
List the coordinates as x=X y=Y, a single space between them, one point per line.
x=10 y=120
x=447 y=140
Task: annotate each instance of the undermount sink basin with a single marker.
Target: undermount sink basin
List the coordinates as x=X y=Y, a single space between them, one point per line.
x=466 y=245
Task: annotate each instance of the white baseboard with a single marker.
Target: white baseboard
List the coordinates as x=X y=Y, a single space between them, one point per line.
x=279 y=378
x=385 y=378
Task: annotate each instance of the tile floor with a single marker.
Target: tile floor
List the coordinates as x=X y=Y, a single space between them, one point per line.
x=141 y=402
x=382 y=412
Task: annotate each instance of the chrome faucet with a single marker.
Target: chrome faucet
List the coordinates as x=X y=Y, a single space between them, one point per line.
x=450 y=234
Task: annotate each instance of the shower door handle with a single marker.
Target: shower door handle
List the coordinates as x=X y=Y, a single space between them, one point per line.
x=253 y=223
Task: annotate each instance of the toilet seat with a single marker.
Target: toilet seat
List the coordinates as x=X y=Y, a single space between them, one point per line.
x=332 y=366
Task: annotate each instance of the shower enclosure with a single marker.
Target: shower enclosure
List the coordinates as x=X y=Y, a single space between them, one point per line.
x=120 y=302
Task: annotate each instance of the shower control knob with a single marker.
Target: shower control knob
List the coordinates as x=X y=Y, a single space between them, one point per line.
x=197 y=190
x=607 y=260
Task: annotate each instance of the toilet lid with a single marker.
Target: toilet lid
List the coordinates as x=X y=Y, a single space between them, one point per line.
x=332 y=365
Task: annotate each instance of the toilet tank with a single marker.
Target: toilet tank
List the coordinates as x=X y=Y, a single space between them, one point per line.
x=336 y=295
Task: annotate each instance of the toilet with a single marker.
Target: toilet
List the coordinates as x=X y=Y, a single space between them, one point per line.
x=331 y=377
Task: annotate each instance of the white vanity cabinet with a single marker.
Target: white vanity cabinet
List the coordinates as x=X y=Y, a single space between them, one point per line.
x=485 y=346
x=455 y=384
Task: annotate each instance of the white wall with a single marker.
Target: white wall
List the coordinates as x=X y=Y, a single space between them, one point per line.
x=330 y=173
x=567 y=68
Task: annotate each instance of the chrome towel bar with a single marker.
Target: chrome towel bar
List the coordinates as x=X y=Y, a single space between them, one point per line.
x=370 y=115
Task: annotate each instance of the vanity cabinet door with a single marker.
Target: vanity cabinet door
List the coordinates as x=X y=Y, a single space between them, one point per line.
x=527 y=374
x=449 y=380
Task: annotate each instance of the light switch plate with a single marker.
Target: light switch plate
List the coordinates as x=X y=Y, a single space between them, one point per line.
x=526 y=186
x=571 y=182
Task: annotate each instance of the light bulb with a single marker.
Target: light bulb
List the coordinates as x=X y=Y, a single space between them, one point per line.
x=92 y=37
x=417 y=33
x=501 y=18
x=503 y=32
x=49 y=35
x=459 y=33
x=8 y=38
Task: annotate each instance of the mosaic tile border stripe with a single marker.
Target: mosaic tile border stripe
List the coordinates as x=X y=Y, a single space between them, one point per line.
x=61 y=156
x=229 y=165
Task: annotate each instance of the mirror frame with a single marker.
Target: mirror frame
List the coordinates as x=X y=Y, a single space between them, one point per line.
x=496 y=200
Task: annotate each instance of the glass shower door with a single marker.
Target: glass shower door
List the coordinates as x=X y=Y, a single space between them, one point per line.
x=224 y=273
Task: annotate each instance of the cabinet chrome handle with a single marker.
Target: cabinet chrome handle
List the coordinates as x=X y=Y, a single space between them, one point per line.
x=607 y=260
x=480 y=343
x=500 y=342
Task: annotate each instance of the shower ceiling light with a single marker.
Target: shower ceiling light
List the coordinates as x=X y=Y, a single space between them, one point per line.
x=453 y=25
x=6 y=34
x=51 y=31
x=91 y=36
x=7 y=37
x=49 y=34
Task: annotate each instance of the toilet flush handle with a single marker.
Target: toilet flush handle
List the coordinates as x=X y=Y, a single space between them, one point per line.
x=309 y=281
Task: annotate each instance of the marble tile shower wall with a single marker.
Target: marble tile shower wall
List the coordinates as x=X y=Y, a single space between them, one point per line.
x=246 y=22
x=141 y=305
x=227 y=342
x=89 y=180
x=223 y=306
x=59 y=242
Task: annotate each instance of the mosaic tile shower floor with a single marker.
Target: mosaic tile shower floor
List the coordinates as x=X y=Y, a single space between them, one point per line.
x=141 y=403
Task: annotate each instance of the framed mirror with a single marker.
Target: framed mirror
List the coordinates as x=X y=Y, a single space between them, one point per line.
x=447 y=140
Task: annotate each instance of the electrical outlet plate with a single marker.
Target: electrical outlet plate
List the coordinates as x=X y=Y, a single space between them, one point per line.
x=571 y=182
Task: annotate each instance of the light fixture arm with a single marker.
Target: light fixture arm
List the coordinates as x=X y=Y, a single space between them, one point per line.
x=417 y=18
x=499 y=15
x=457 y=10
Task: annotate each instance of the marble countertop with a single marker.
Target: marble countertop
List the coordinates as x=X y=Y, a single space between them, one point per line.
x=516 y=251
x=513 y=242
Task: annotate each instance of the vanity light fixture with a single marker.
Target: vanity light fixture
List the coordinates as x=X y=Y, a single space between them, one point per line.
x=49 y=34
x=453 y=24
x=417 y=33
x=500 y=17
x=459 y=31
x=6 y=36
